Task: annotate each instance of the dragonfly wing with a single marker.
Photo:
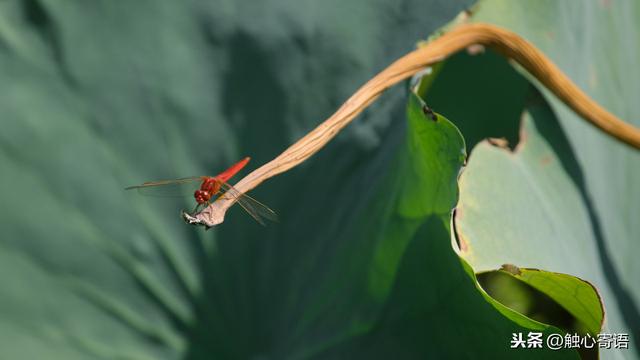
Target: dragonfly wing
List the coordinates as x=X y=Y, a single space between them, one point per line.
x=167 y=188
x=255 y=208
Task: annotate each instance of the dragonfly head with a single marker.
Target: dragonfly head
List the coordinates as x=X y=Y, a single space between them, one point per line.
x=202 y=196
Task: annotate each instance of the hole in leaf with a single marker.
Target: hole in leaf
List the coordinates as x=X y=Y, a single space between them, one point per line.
x=533 y=303
x=482 y=94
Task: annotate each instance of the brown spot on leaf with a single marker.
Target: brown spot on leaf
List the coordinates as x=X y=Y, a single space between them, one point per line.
x=550 y=35
x=463 y=245
x=546 y=160
x=499 y=142
x=522 y=138
x=511 y=269
x=429 y=112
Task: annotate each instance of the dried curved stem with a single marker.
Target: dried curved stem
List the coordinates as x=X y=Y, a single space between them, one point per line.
x=506 y=42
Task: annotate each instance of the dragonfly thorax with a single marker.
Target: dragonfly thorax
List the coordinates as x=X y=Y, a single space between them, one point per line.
x=210 y=186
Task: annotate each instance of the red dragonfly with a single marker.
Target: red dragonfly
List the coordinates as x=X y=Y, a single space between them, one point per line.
x=211 y=186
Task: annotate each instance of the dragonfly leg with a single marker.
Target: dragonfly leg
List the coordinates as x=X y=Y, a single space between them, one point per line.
x=195 y=209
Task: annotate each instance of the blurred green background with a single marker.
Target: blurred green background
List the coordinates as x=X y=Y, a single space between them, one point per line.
x=99 y=95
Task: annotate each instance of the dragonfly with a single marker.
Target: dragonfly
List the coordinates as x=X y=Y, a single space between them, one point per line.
x=210 y=187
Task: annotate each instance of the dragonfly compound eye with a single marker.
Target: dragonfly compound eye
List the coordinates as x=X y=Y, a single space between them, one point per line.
x=202 y=196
